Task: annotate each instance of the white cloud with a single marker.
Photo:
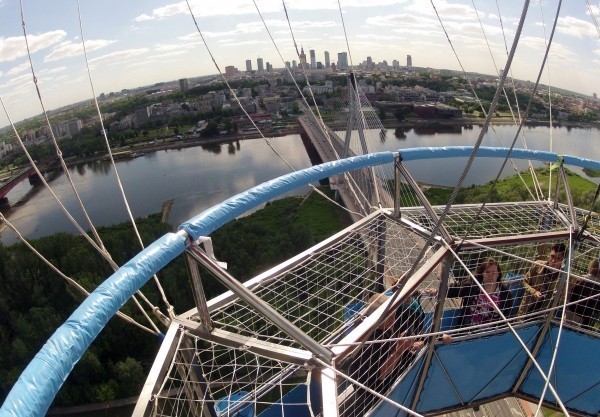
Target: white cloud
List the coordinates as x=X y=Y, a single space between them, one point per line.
x=69 y=49
x=575 y=27
x=172 y=47
x=14 y=47
x=143 y=17
x=18 y=69
x=53 y=70
x=445 y=9
x=242 y=7
x=259 y=26
x=119 y=55
x=557 y=50
x=334 y=5
x=400 y=21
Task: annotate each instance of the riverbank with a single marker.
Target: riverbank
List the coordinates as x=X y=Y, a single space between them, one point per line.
x=146 y=146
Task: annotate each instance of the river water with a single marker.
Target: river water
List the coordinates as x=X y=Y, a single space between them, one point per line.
x=200 y=177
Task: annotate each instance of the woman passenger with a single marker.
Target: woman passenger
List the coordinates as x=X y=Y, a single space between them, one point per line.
x=476 y=307
x=587 y=309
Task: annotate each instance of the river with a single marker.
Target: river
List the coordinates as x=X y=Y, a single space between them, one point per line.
x=199 y=177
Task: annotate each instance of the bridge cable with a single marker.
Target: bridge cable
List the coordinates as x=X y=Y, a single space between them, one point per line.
x=322 y=126
x=114 y=165
x=68 y=279
x=472 y=88
x=356 y=93
x=303 y=97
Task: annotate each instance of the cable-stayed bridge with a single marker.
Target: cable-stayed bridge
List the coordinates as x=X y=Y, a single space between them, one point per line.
x=364 y=190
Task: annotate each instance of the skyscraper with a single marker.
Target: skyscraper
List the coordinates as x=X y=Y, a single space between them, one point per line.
x=259 y=64
x=184 y=84
x=294 y=64
x=369 y=63
x=302 y=58
x=409 y=61
x=327 y=63
x=313 y=59
x=342 y=63
x=248 y=65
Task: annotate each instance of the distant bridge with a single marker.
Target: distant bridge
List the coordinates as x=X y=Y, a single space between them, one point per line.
x=360 y=190
x=27 y=172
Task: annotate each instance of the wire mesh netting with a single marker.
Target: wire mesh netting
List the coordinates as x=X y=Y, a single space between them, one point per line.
x=352 y=294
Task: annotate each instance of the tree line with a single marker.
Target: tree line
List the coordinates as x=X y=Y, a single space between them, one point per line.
x=34 y=300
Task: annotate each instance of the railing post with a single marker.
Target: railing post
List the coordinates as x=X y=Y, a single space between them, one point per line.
x=397 y=179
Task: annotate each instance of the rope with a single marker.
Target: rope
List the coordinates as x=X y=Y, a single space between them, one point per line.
x=369 y=390
x=68 y=279
x=588 y=216
x=345 y=35
x=54 y=141
x=467 y=167
x=303 y=97
x=545 y=377
x=549 y=104
x=593 y=16
x=477 y=97
x=520 y=125
x=114 y=165
x=229 y=87
x=560 y=328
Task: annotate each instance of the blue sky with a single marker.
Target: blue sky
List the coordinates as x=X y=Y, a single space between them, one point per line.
x=140 y=42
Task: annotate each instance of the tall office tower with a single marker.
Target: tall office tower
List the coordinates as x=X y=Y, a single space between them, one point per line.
x=248 y=65
x=287 y=64
x=302 y=58
x=269 y=67
x=259 y=64
x=313 y=59
x=184 y=84
x=327 y=63
x=342 y=63
x=369 y=63
x=294 y=64
x=409 y=61
x=395 y=64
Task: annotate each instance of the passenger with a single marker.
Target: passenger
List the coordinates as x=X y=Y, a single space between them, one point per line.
x=378 y=365
x=587 y=310
x=476 y=306
x=540 y=281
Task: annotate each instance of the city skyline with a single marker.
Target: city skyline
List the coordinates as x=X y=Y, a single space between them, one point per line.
x=132 y=44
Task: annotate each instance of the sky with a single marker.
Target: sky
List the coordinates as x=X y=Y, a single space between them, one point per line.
x=140 y=42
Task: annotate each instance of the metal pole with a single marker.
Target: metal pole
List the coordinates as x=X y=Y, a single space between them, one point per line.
x=259 y=305
x=435 y=327
x=198 y=291
x=397 y=179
